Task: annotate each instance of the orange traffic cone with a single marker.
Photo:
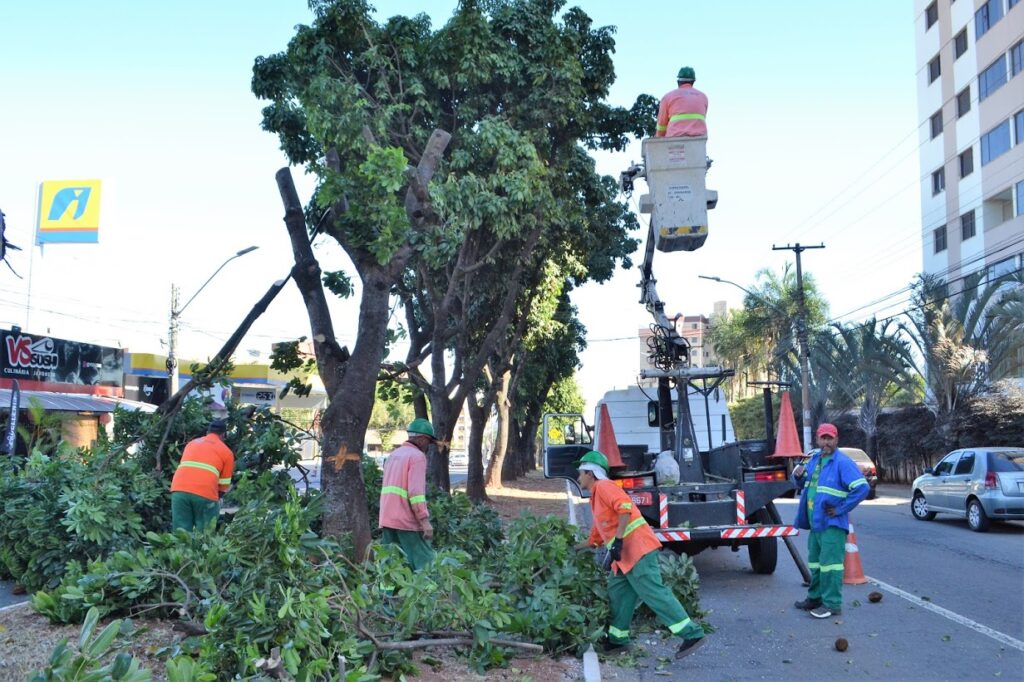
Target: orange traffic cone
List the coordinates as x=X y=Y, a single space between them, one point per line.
x=606 y=443
x=853 y=574
x=787 y=443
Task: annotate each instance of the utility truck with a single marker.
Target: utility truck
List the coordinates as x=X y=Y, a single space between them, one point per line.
x=726 y=488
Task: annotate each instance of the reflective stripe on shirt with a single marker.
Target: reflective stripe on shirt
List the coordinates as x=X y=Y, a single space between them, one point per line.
x=395 y=490
x=205 y=467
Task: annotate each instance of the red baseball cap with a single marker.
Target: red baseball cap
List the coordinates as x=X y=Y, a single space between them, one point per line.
x=827 y=429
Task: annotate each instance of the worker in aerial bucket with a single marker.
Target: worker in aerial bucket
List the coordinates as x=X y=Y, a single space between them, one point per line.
x=682 y=111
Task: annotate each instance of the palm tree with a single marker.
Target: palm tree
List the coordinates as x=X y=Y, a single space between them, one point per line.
x=965 y=342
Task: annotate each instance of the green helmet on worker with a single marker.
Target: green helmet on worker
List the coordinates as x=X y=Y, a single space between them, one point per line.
x=686 y=75
x=420 y=427
x=594 y=457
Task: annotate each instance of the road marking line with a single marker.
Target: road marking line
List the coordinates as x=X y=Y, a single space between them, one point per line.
x=955 y=617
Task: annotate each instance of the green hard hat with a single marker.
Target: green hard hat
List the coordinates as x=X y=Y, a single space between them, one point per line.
x=420 y=427
x=594 y=457
x=687 y=74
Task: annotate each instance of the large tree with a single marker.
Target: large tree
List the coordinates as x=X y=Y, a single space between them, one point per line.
x=522 y=197
x=365 y=106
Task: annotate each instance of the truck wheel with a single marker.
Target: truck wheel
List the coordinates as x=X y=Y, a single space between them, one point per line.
x=764 y=555
x=764 y=552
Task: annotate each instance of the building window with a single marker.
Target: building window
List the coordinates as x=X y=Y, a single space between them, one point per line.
x=967 y=229
x=992 y=78
x=1003 y=268
x=1017 y=58
x=1018 y=126
x=963 y=102
x=938 y=181
x=960 y=44
x=1020 y=198
x=986 y=17
x=967 y=162
x=995 y=142
x=936 y=122
x=931 y=15
x=934 y=69
x=940 y=239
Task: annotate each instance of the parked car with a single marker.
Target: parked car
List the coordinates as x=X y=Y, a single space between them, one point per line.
x=979 y=484
x=866 y=466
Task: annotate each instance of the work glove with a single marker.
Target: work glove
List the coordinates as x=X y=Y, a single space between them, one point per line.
x=615 y=551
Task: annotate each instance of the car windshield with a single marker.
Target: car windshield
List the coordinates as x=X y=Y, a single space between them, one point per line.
x=1012 y=460
x=857 y=455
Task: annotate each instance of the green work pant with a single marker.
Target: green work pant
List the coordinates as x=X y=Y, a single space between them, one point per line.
x=417 y=552
x=643 y=583
x=825 y=553
x=190 y=511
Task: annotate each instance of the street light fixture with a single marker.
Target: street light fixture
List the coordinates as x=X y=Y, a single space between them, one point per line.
x=805 y=382
x=172 y=345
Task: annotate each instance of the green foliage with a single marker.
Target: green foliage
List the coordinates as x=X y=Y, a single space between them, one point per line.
x=93 y=659
x=748 y=416
x=264 y=580
x=994 y=418
x=94 y=501
x=565 y=396
x=458 y=523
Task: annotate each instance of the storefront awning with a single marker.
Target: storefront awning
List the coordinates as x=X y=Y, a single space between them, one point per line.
x=73 y=402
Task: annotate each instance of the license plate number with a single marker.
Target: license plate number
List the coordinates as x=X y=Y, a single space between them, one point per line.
x=641 y=498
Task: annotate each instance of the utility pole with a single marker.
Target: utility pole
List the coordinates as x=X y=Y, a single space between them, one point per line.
x=801 y=334
x=172 y=344
x=172 y=338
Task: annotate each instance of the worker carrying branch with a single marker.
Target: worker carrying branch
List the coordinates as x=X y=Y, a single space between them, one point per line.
x=682 y=111
x=635 y=573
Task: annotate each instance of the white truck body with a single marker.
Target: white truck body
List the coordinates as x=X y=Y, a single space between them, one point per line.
x=628 y=411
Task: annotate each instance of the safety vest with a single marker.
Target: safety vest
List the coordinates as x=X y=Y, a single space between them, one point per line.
x=403 y=493
x=840 y=485
x=205 y=468
x=607 y=501
x=682 y=113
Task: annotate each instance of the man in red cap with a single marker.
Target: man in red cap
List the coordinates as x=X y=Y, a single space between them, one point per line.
x=832 y=486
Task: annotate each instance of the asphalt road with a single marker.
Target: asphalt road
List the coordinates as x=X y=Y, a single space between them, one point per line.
x=953 y=609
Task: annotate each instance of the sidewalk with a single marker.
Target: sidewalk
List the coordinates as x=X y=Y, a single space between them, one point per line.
x=900 y=490
x=6 y=596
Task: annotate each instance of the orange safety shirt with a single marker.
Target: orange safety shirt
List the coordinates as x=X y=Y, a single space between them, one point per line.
x=682 y=112
x=205 y=468
x=403 y=492
x=607 y=501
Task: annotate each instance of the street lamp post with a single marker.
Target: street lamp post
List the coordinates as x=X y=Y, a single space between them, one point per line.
x=172 y=340
x=805 y=383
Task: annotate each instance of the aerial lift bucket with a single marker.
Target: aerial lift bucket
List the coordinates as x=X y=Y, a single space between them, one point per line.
x=678 y=201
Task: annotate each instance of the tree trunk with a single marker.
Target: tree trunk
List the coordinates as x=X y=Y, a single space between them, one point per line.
x=443 y=414
x=475 y=487
x=494 y=467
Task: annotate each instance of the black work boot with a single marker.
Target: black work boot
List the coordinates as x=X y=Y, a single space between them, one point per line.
x=808 y=604
x=689 y=646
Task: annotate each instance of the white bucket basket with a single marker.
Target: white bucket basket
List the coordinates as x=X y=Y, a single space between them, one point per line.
x=678 y=201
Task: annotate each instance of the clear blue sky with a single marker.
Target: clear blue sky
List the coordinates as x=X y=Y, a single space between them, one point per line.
x=812 y=128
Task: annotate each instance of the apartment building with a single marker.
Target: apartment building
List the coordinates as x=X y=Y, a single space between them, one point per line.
x=970 y=95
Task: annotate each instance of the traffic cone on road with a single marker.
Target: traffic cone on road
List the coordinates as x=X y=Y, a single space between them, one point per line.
x=606 y=443
x=853 y=574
